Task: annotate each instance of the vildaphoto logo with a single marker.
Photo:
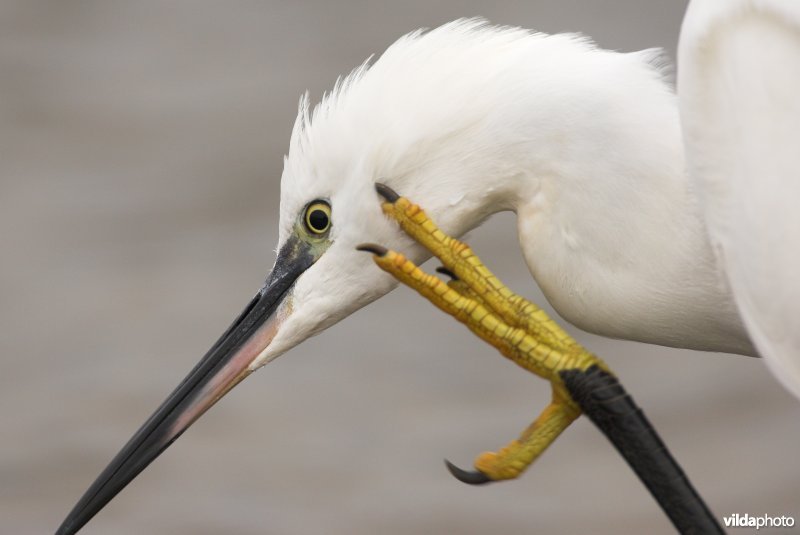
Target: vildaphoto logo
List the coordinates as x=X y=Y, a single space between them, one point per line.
x=763 y=521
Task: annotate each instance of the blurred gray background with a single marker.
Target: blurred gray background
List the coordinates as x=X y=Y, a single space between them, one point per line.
x=141 y=148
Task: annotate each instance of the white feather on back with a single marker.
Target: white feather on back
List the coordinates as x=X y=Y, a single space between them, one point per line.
x=739 y=76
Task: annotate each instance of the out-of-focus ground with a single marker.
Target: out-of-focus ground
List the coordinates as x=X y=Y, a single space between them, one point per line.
x=140 y=156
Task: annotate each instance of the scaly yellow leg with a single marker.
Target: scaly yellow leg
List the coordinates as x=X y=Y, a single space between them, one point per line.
x=516 y=327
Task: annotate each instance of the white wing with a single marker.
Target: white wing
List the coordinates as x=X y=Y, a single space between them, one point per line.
x=739 y=90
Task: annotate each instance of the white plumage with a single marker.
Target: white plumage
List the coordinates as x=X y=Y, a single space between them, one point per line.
x=739 y=81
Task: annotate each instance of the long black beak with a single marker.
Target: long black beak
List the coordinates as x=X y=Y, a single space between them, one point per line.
x=223 y=367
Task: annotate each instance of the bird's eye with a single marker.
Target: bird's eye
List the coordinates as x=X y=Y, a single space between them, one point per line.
x=318 y=217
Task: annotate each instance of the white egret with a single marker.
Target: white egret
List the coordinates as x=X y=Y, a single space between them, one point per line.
x=583 y=144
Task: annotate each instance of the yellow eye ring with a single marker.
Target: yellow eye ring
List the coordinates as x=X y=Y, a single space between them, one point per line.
x=318 y=217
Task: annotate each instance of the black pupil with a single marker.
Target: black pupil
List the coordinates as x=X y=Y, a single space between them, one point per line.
x=318 y=220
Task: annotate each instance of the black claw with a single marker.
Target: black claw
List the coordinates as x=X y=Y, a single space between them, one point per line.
x=373 y=248
x=444 y=271
x=386 y=192
x=467 y=476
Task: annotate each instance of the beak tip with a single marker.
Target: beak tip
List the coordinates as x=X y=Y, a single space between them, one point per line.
x=70 y=526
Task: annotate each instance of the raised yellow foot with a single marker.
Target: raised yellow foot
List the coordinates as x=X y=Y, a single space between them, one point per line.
x=523 y=332
x=519 y=329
